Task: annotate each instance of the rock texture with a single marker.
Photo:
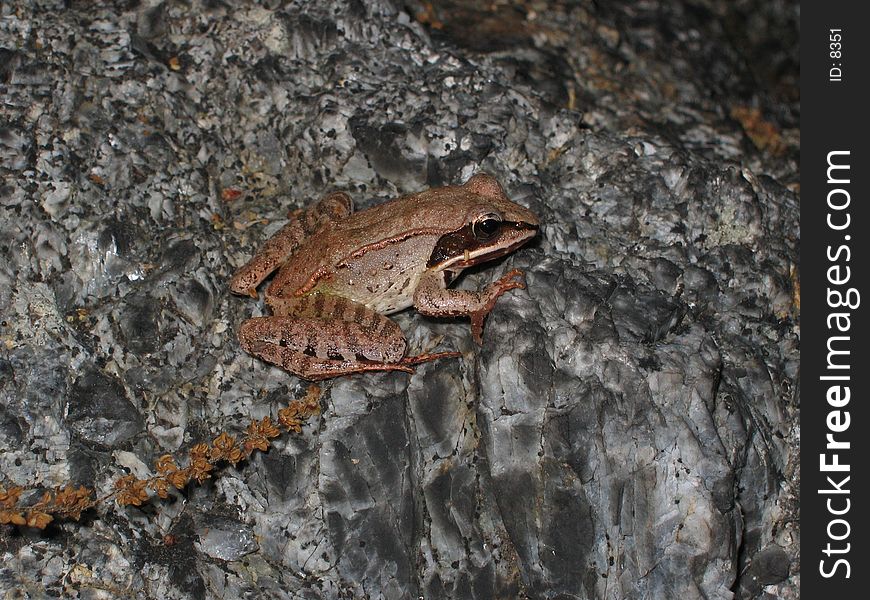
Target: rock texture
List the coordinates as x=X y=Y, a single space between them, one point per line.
x=628 y=429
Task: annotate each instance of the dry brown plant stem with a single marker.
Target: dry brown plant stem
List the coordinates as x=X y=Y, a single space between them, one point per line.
x=69 y=501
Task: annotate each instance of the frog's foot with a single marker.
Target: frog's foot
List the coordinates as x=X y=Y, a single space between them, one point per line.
x=511 y=280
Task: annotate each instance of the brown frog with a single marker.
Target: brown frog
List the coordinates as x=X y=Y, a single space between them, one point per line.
x=340 y=272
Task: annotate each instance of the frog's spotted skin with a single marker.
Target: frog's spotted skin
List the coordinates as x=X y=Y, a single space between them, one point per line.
x=340 y=272
x=353 y=340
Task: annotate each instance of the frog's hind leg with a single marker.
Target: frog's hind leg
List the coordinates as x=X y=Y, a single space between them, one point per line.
x=303 y=224
x=349 y=339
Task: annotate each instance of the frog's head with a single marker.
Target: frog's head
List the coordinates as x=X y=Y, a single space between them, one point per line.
x=492 y=227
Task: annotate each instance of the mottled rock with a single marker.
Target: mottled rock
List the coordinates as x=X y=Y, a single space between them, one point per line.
x=225 y=539
x=99 y=412
x=629 y=428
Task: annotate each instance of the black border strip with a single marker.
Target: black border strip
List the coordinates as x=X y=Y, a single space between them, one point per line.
x=834 y=107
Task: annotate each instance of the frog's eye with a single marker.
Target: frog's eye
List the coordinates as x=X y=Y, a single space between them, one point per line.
x=486 y=227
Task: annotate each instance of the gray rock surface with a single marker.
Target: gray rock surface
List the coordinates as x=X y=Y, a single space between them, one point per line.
x=629 y=428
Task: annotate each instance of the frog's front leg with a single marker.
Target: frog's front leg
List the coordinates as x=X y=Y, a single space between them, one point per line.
x=350 y=338
x=278 y=248
x=433 y=298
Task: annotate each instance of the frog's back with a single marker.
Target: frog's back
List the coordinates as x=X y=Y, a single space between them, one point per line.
x=375 y=256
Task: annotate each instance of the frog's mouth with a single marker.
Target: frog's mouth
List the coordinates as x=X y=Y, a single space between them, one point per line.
x=462 y=249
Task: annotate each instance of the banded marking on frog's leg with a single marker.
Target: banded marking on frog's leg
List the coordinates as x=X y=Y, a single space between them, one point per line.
x=316 y=344
x=278 y=248
x=434 y=299
x=317 y=348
